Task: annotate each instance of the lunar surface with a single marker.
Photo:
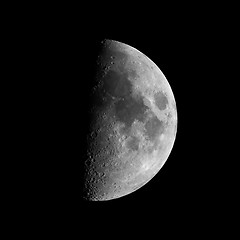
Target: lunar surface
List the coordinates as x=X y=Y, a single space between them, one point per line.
x=133 y=123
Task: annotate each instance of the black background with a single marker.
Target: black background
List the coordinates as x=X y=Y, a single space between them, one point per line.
x=61 y=60
x=180 y=54
x=51 y=51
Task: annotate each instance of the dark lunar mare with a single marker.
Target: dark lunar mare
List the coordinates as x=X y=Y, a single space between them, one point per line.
x=116 y=89
x=160 y=100
x=133 y=143
x=153 y=128
x=116 y=85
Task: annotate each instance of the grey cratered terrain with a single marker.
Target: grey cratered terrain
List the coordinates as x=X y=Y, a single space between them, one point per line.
x=134 y=122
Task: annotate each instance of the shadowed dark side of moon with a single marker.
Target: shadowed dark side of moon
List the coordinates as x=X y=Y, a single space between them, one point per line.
x=116 y=162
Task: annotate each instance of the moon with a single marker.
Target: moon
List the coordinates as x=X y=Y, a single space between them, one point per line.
x=112 y=170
